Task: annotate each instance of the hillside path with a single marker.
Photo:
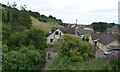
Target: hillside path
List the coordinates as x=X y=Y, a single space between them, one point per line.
x=49 y=55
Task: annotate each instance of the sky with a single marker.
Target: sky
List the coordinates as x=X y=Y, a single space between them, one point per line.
x=85 y=11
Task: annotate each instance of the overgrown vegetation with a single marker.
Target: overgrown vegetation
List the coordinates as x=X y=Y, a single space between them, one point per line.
x=24 y=41
x=23 y=46
x=42 y=25
x=71 y=50
x=74 y=55
x=108 y=63
x=45 y=19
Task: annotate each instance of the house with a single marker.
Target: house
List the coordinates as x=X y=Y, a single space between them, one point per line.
x=106 y=41
x=57 y=33
x=85 y=32
x=113 y=30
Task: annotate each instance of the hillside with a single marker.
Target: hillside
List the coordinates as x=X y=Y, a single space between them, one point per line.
x=43 y=25
x=23 y=48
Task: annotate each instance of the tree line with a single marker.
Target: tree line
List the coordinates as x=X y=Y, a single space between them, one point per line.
x=43 y=18
x=102 y=26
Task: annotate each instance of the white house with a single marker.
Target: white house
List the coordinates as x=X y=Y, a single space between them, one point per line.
x=56 y=33
x=55 y=36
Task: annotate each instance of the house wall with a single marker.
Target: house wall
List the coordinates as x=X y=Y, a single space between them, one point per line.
x=102 y=46
x=54 y=37
x=91 y=41
x=115 y=43
x=105 y=47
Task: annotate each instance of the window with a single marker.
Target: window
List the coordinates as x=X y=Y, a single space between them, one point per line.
x=95 y=43
x=56 y=33
x=58 y=40
x=51 y=40
x=60 y=34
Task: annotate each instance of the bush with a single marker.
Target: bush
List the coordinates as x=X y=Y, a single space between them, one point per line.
x=74 y=48
x=14 y=60
x=24 y=59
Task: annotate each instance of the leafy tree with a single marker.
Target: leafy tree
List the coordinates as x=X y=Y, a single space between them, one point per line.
x=74 y=48
x=111 y=25
x=35 y=59
x=34 y=14
x=23 y=7
x=99 y=27
x=18 y=20
x=24 y=59
x=16 y=40
x=37 y=38
x=5 y=48
x=14 y=60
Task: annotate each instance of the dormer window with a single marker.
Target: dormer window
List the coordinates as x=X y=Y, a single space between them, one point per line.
x=56 y=33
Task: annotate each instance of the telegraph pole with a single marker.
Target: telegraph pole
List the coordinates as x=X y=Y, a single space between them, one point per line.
x=76 y=21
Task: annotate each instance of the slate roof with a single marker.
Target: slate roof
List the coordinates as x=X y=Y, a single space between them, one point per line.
x=95 y=36
x=105 y=37
x=85 y=30
x=68 y=30
x=113 y=30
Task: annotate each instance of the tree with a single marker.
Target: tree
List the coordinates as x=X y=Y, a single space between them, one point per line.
x=14 y=60
x=35 y=59
x=74 y=48
x=99 y=27
x=111 y=25
x=23 y=59
x=14 y=5
x=37 y=38
x=34 y=14
x=23 y=7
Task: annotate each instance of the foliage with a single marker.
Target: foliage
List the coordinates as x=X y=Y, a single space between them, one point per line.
x=60 y=63
x=13 y=60
x=34 y=14
x=43 y=18
x=30 y=37
x=4 y=48
x=99 y=27
x=42 y=25
x=24 y=59
x=108 y=63
x=23 y=46
x=36 y=38
x=74 y=55
x=17 y=20
x=74 y=48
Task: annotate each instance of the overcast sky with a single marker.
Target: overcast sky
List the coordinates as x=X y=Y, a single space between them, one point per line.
x=85 y=11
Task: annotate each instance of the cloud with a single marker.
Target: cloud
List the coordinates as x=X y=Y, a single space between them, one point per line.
x=86 y=11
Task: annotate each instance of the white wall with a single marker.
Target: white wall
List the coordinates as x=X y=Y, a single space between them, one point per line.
x=54 y=37
x=102 y=46
x=115 y=43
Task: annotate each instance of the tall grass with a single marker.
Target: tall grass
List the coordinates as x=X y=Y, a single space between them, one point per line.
x=42 y=25
x=107 y=63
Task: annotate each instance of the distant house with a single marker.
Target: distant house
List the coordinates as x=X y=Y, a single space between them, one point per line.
x=84 y=32
x=57 y=33
x=113 y=30
x=106 y=41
